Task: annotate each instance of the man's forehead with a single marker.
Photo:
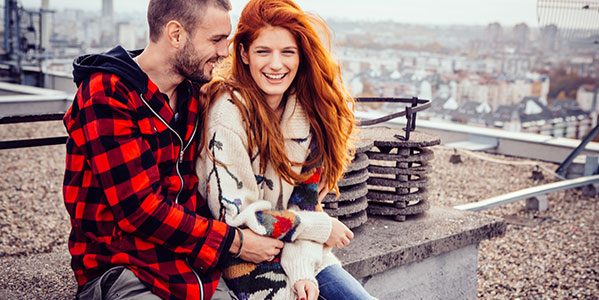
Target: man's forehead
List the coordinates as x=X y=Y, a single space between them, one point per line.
x=215 y=22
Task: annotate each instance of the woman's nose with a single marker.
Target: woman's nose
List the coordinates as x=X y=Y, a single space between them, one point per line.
x=275 y=62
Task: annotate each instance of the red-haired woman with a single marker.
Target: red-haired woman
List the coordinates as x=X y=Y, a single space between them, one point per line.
x=279 y=123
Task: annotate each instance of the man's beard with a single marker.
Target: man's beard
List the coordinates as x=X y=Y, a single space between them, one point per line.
x=188 y=65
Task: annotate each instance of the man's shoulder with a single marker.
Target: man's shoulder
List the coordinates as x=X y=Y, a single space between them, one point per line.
x=104 y=84
x=105 y=81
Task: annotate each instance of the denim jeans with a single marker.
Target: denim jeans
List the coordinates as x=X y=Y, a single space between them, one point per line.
x=337 y=284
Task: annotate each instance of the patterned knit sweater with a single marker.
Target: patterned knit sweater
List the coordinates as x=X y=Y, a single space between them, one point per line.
x=238 y=194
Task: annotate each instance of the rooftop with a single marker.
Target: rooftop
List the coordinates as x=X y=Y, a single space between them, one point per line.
x=545 y=255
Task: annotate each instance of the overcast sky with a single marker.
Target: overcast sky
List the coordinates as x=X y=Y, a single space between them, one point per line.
x=480 y=12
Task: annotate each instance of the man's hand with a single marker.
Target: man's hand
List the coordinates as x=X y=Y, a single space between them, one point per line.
x=256 y=248
x=340 y=235
x=306 y=290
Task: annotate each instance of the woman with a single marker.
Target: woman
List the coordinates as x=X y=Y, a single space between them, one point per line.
x=279 y=123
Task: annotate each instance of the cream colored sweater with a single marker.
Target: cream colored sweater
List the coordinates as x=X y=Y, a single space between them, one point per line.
x=236 y=190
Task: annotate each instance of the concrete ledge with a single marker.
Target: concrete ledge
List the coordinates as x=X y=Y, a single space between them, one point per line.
x=450 y=275
x=382 y=244
x=427 y=257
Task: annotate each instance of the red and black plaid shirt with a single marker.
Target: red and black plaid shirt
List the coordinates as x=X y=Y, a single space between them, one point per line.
x=131 y=190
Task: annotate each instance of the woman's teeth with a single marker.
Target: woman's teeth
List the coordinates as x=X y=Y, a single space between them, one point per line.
x=273 y=76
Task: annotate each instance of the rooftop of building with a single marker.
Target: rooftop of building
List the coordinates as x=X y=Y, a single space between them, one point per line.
x=551 y=254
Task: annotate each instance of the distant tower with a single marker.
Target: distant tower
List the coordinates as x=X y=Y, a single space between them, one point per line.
x=550 y=38
x=126 y=35
x=46 y=29
x=495 y=35
x=521 y=36
x=108 y=28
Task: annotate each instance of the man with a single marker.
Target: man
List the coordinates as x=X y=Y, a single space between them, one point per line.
x=139 y=230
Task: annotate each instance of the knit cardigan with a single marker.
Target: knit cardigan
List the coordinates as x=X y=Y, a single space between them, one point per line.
x=240 y=195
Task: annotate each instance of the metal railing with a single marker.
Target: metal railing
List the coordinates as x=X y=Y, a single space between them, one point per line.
x=16 y=109
x=22 y=109
x=529 y=193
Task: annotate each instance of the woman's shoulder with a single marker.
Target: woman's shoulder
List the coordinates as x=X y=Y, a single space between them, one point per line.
x=224 y=100
x=224 y=111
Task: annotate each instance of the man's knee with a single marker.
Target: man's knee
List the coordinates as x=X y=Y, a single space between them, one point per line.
x=223 y=292
x=118 y=283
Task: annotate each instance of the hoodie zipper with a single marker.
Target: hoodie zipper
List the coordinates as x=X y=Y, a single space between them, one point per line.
x=179 y=160
x=183 y=147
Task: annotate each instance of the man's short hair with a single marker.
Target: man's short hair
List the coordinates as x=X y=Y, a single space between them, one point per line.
x=187 y=12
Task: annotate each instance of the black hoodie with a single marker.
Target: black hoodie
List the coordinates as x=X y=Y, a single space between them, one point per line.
x=117 y=61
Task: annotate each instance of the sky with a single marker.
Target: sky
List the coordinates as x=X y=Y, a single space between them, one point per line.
x=467 y=12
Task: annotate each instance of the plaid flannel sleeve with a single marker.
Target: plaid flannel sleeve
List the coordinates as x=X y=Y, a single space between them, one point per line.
x=124 y=165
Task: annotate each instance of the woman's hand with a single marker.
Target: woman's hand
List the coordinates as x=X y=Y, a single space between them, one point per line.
x=323 y=189
x=257 y=248
x=340 y=235
x=306 y=290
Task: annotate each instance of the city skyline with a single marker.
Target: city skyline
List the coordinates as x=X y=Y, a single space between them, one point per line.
x=461 y=12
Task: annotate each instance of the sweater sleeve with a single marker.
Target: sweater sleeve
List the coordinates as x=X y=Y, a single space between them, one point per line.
x=299 y=260
x=232 y=188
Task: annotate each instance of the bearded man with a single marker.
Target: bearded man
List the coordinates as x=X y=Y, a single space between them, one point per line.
x=139 y=228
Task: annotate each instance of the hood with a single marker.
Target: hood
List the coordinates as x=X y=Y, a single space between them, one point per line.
x=117 y=61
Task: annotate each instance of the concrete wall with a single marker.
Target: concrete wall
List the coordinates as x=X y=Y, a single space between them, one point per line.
x=450 y=275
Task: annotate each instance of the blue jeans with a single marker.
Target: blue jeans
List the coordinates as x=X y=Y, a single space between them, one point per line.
x=335 y=283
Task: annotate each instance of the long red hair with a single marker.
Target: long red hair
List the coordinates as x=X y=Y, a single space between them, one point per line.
x=318 y=87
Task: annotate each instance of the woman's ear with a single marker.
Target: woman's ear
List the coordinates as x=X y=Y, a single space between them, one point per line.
x=244 y=54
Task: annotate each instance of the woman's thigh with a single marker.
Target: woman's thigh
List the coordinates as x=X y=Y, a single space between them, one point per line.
x=336 y=283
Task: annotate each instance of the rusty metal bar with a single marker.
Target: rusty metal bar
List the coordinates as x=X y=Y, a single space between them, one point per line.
x=16 y=144
x=414 y=106
x=417 y=106
x=30 y=119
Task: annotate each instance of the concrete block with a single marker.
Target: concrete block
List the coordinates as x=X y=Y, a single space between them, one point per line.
x=539 y=203
x=591 y=165
x=383 y=244
x=450 y=275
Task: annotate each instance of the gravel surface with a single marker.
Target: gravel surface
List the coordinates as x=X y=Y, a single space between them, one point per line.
x=546 y=255
x=555 y=255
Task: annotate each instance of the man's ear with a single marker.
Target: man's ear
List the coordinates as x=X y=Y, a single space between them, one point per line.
x=176 y=34
x=244 y=54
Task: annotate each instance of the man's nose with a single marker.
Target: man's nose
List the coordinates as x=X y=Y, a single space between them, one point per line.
x=223 y=50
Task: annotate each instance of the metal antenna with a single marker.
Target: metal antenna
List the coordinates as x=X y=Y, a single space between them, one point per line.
x=575 y=21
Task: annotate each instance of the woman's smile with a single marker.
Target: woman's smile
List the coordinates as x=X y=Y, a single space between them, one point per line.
x=273 y=60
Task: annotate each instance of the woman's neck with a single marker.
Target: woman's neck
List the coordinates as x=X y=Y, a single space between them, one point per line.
x=277 y=104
